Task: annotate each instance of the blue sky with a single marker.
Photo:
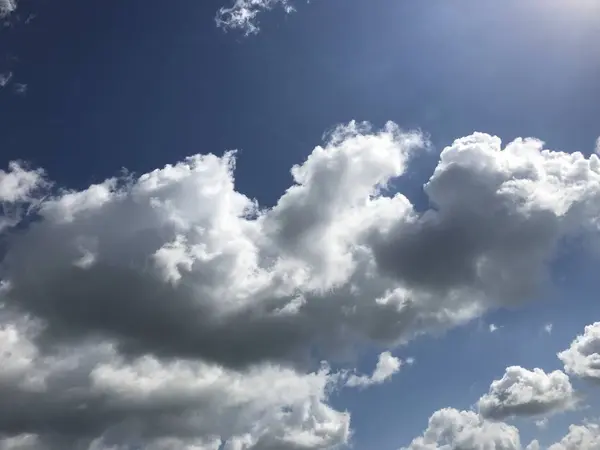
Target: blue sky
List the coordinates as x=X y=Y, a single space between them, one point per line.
x=505 y=238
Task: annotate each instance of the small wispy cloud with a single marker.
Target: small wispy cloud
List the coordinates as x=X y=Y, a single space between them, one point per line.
x=542 y=424
x=5 y=78
x=548 y=328
x=493 y=328
x=243 y=14
x=597 y=148
x=387 y=366
x=20 y=88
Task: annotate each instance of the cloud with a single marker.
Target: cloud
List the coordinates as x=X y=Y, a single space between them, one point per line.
x=7 y=76
x=20 y=88
x=521 y=392
x=7 y=7
x=387 y=366
x=89 y=394
x=139 y=289
x=548 y=328
x=19 y=190
x=243 y=14
x=580 y=437
x=597 y=147
x=465 y=430
x=493 y=328
x=582 y=358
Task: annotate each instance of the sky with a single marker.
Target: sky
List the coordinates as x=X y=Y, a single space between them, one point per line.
x=291 y=225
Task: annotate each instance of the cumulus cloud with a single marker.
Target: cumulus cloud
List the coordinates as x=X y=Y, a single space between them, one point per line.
x=243 y=14
x=387 y=366
x=160 y=281
x=522 y=392
x=465 y=430
x=88 y=396
x=582 y=358
x=580 y=437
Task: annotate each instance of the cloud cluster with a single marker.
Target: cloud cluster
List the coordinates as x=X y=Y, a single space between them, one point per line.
x=522 y=392
x=465 y=430
x=580 y=437
x=170 y=310
x=243 y=14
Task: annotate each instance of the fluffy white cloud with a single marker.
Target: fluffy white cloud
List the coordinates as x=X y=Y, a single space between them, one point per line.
x=465 y=430
x=521 y=392
x=580 y=437
x=242 y=15
x=160 y=281
x=387 y=366
x=582 y=358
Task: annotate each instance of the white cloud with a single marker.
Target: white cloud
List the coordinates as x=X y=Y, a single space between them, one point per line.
x=7 y=7
x=19 y=188
x=580 y=437
x=20 y=184
x=582 y=358
x=465 y=430
x=243 y=14
x=387 y=366
x=177 y=271
x=548 y=328
x=493 y=328
x=597 y=148
x=521 y=392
